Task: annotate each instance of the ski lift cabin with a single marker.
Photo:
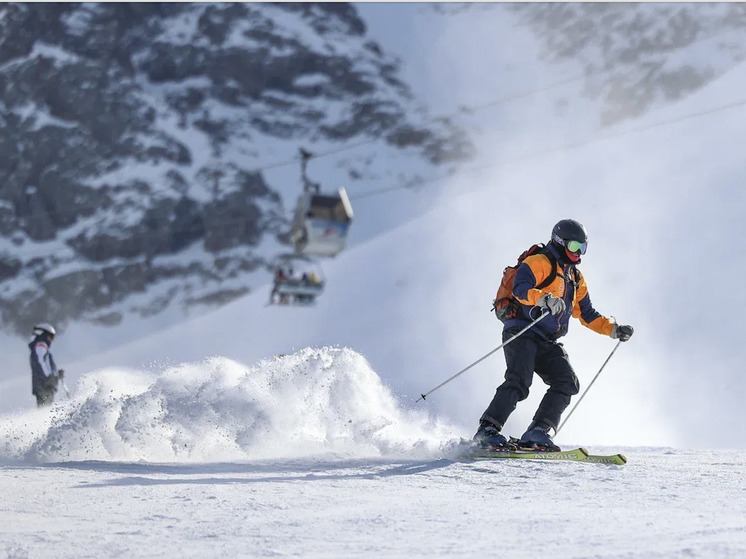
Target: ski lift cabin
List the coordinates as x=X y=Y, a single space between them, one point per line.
x=321 y=221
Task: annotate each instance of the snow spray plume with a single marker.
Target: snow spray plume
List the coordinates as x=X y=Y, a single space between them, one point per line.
x=313 y=402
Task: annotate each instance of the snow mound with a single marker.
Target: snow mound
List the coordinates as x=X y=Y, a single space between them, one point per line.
x=325 y=401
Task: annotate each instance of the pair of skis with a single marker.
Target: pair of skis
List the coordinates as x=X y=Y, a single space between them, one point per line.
x=575 y=455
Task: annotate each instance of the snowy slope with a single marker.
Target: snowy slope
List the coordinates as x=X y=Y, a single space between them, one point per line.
x=663 y=504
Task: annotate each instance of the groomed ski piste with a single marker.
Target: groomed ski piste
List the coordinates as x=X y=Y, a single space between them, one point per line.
x=310 y=454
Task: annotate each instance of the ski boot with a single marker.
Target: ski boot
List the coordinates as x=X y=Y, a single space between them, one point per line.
x=488 y=436
x=537 y=438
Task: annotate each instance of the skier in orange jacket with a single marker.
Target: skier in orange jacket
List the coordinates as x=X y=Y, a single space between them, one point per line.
x=537 y=350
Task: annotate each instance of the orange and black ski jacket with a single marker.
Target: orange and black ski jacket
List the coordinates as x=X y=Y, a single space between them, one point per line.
x=569 y=284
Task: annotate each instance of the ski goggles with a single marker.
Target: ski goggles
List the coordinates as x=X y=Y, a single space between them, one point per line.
x=576 y=246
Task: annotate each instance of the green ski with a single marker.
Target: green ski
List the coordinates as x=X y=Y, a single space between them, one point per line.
x=474 y=452
x=574 y=455
x=616 y=459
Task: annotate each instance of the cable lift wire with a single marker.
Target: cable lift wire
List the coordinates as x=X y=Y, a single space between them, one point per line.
x=559 y=148
x=464 y=109
x=81 y=209
x=226 y=223
x=468 y=109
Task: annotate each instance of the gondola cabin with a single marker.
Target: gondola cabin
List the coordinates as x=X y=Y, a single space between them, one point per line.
x=321 y=223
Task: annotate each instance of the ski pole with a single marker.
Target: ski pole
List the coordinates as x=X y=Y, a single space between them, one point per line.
x=67 y=392
x=587 y=389
x=462 y=371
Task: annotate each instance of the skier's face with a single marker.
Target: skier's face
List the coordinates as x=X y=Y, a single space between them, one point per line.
x=572 y=256
x=574 y=249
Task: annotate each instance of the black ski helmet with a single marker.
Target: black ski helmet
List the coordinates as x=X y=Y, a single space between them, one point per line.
x=569 y=230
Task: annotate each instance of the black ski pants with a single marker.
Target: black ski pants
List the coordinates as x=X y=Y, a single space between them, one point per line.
x=44 y=398
x=44 y=390
x=527 y=354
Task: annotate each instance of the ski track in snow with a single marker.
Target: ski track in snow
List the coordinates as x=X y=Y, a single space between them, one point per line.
x=311 y=455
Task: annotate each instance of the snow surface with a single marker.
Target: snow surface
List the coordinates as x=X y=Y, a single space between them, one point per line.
x=257 y=431
x=311 y=455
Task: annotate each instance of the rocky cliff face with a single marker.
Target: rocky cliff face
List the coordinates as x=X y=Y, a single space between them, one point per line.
x=633 y=56
x=133 y=139
x=638 y=55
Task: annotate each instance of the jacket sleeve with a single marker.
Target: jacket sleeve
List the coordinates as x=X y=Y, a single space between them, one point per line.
x=41 y=350
x=532 y=271
x=588 y=316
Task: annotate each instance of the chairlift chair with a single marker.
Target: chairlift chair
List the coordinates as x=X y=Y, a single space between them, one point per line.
x=305 y=284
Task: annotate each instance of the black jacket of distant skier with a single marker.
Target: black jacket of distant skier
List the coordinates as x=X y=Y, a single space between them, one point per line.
x=44 y=374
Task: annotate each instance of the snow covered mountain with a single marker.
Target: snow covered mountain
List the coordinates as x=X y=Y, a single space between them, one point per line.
x=148 y=152
x=136 y=140
x=632 y=57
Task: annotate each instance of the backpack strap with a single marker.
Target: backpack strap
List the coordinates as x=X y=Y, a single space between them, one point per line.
x=553 y=262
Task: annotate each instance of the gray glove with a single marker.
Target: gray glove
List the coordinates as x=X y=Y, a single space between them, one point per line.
x=555 y=305
x=622 y=332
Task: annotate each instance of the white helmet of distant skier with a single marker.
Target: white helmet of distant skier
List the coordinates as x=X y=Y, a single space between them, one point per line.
x=44 y=327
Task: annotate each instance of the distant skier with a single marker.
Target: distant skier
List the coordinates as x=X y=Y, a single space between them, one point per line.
x=537 y=350
x=44 y=373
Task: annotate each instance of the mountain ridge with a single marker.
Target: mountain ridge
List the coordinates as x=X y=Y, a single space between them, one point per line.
x=133 y=132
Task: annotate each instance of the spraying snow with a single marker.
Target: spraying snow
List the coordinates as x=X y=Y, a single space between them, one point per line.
x=316 y=401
